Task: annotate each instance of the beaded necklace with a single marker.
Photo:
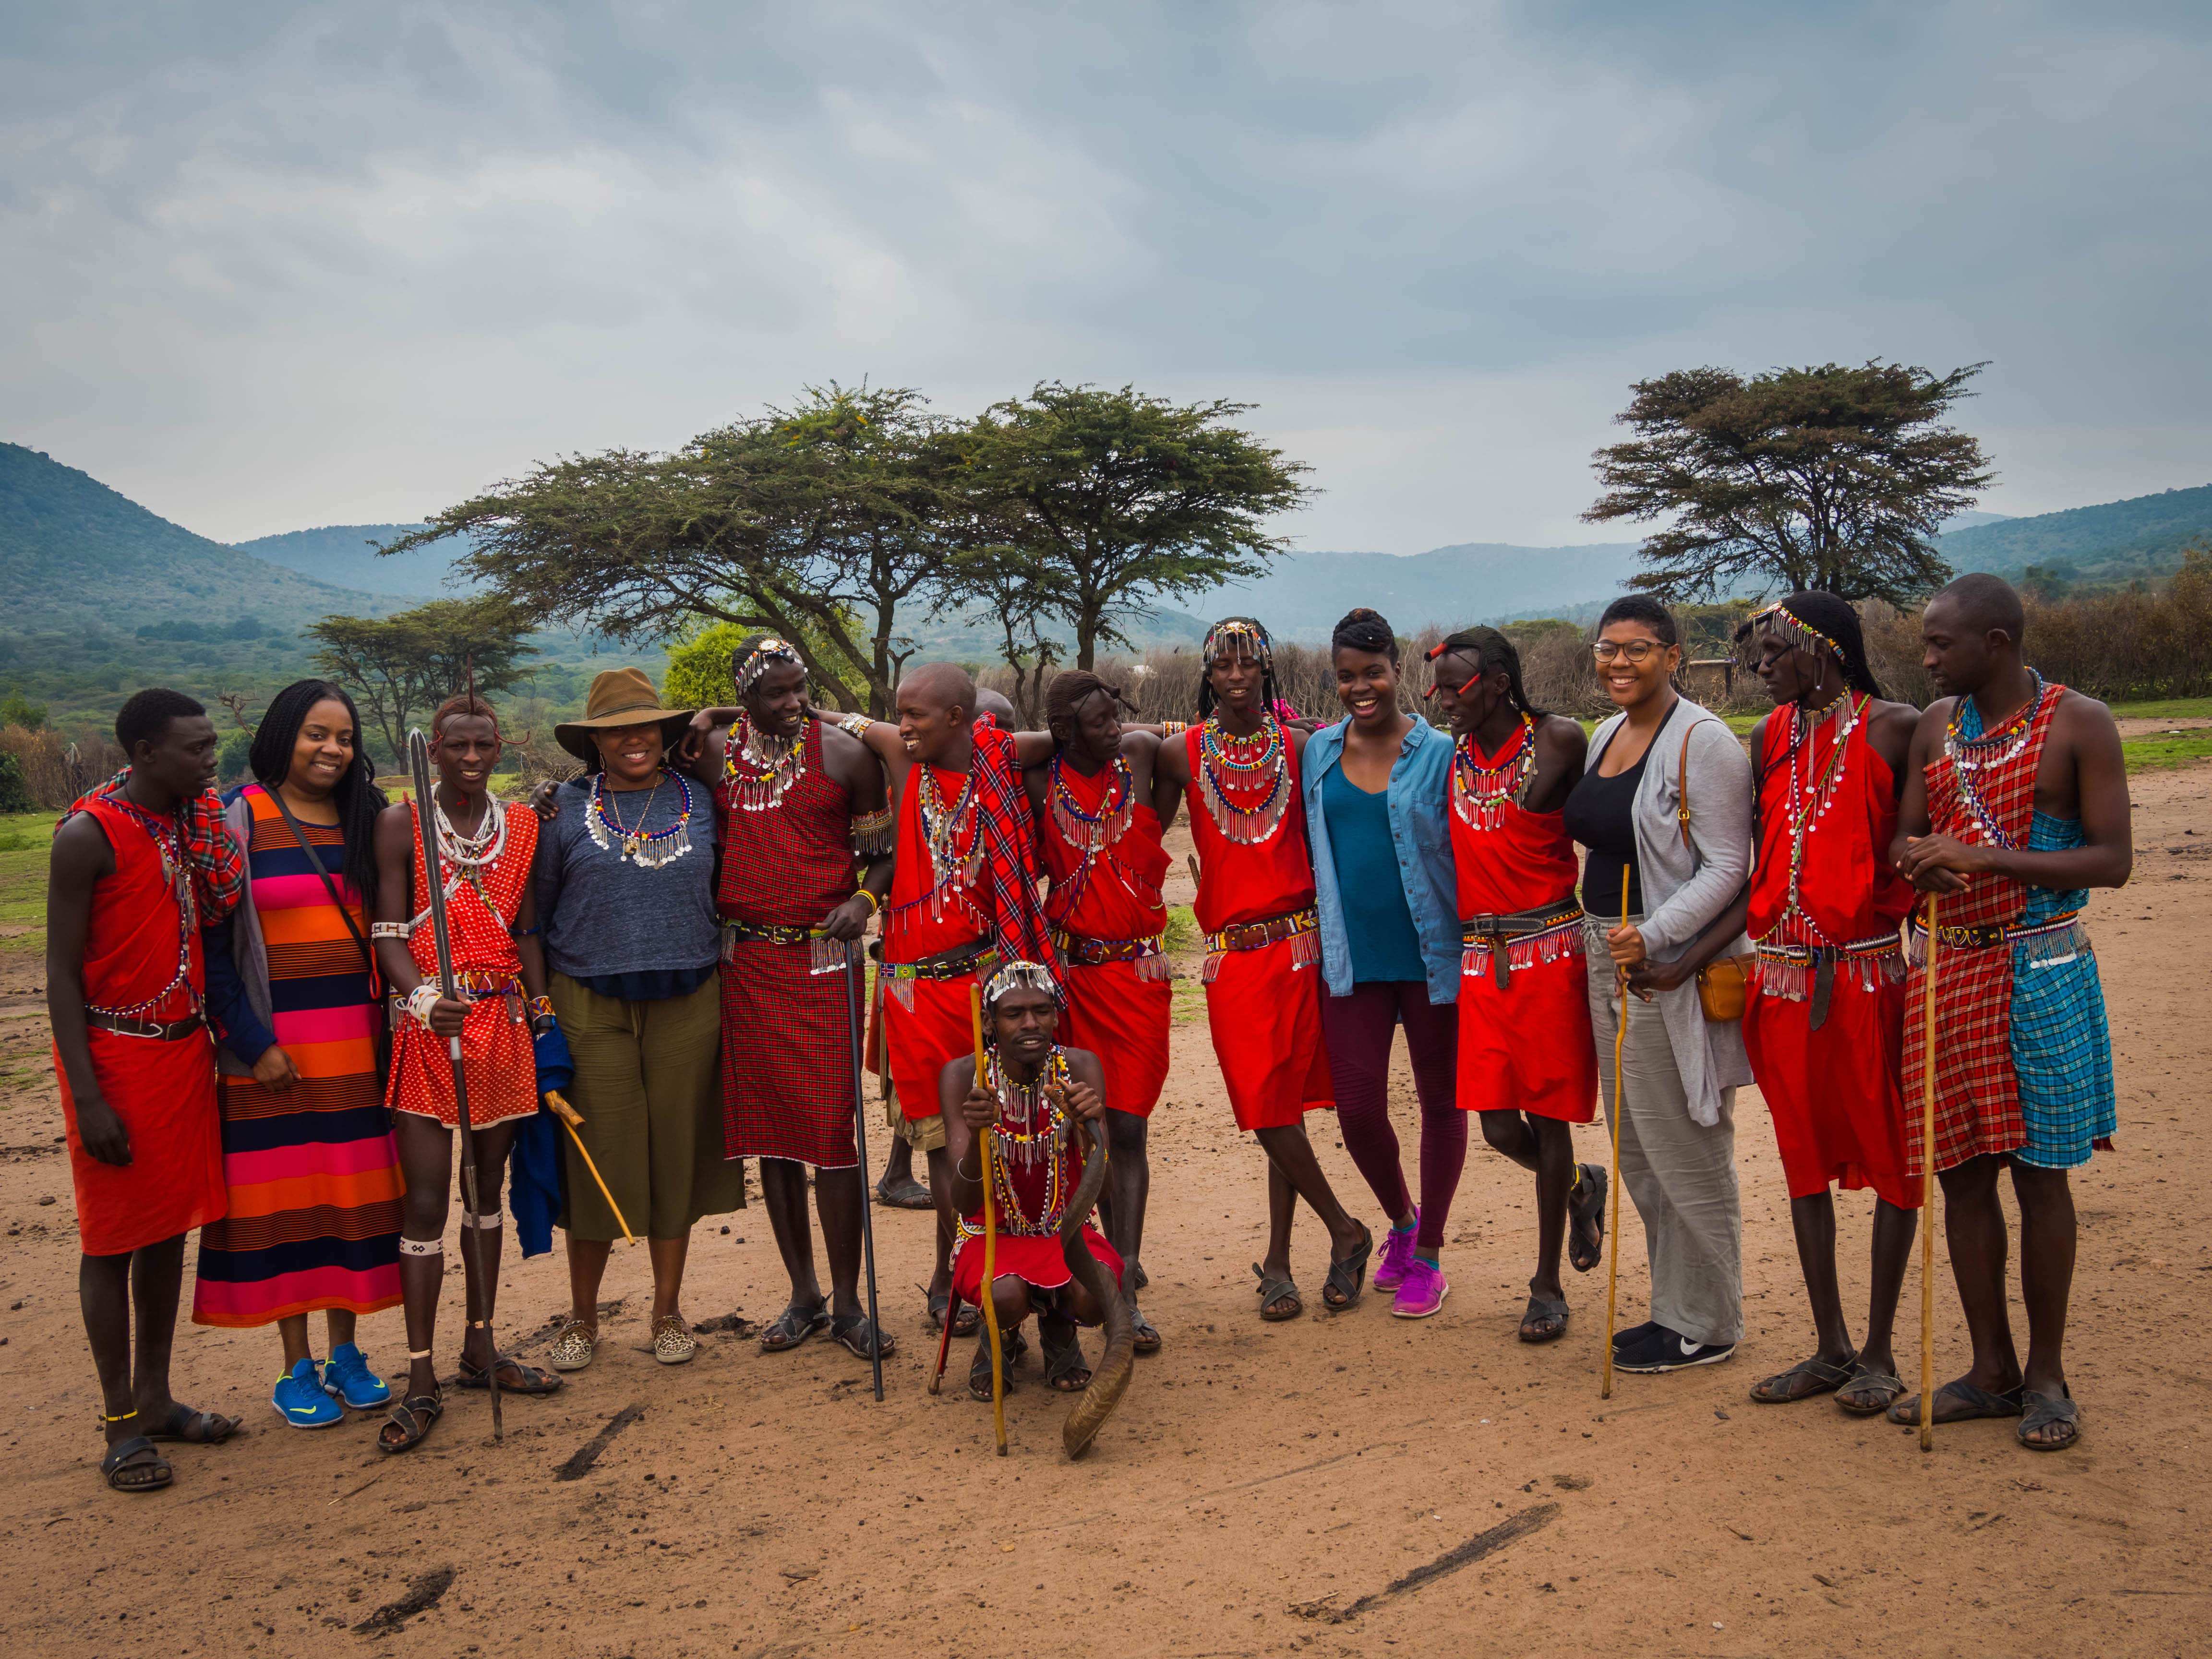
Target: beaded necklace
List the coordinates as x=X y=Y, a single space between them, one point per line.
x=1222 y=757
x=760 y=769
x=1034 y=1134
x=470 y=855
x=168 y=840
x=1089 y=832
x=647 y=852
x=1808 y=797
x=1969 y=756
x=943 y=829
x=1481 y=789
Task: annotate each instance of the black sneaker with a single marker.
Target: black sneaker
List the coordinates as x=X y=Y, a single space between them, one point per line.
x=1634 y=1333
x=1656 y=1348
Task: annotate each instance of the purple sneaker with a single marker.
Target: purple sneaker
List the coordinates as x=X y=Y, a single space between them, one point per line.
x=1397 y=1255
x=1422 y=1291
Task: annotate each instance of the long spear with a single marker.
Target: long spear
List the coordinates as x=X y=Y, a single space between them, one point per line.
x=418 y=764
x=1928 y=1189
x=855 y=976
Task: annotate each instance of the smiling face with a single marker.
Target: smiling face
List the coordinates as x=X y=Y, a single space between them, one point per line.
x=1466 y=709
x=181 y=758
x=323 y=753
x=1237 y=679
x=1093 y=736
x=1627 y=680
x=631 y=754
x=932 y=717
x=1025 y=1022
x=467 y=749
x=1793 y=674
x=1367 y=686
x=776 y=702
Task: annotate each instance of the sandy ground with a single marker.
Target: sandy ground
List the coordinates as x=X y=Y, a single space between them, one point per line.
x=765 y=1504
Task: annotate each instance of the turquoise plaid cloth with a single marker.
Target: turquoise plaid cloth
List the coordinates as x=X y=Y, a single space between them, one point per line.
x=2062 y=1049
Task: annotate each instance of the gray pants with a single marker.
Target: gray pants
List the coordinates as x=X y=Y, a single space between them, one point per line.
x=1680 y=1175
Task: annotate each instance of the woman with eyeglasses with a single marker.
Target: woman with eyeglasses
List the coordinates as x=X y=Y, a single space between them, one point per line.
x=1666 y=801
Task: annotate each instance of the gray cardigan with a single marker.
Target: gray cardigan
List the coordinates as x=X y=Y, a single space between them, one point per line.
x=1686 y=887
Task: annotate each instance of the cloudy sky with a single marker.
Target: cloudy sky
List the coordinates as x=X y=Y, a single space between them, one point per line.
x=265 y=266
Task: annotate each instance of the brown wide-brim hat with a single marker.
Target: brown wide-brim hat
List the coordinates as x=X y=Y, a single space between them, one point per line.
x=620 y=697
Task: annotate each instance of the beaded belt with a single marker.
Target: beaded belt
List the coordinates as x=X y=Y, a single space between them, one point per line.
x=827 y=955
x=1796 y=971
x=1301 y=927
x=130 y=1026
x=479 y=984
x=1989 y=937
x=1543 y=934
x=898 y=977
x=1090 y=952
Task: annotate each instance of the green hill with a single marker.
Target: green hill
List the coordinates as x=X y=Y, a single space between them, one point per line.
x=345 y=553
x=75 y=555
x=2110 y=545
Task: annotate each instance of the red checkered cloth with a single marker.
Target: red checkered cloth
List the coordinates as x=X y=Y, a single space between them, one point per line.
x=1977 y=1089
x=786 y=1063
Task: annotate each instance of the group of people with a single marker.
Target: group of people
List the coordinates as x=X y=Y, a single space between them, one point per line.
x=254 y=1036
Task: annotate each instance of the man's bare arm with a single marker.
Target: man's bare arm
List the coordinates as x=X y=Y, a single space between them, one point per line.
x=81 y=856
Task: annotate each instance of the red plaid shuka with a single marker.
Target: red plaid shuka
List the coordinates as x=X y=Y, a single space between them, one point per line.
x=218 y=867
x=1977 y=1091
x=787 y=1062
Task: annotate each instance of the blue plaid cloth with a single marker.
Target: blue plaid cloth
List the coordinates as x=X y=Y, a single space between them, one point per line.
x=2062 y=1049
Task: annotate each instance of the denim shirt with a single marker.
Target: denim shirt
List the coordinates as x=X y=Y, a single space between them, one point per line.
x=1419 y=799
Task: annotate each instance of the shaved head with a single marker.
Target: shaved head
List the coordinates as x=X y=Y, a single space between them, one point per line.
x=1984 y=603
x=997 y=704
x=940 y=685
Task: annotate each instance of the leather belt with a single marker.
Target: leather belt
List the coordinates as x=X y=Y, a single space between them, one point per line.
x=1494 y=931
x=750 y=932
x=129 y=1025
x=1090 y=952
x=1258 y=935
x=1990 y=936
x=959 y=962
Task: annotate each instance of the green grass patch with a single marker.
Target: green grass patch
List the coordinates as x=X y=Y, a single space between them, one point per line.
x=25 y=838
x=2165 y=751
x=1182 y=929
x=2173 y=708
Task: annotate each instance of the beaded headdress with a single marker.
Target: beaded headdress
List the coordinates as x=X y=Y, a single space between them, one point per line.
x=1240 y=633
x=1021 y=976
x=1779 y=620
x=755 y=661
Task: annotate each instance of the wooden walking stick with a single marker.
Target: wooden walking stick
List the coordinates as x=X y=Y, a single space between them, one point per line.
x=433 y=873
x=990 y=1243
x=1928 y=1189
x=1613 y=1226
x=571 y=1119
x=855 y=977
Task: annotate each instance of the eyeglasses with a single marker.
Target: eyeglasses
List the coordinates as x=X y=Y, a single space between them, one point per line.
x=1637 y=651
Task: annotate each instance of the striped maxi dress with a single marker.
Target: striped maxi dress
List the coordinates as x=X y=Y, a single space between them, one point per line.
x=312 y=1173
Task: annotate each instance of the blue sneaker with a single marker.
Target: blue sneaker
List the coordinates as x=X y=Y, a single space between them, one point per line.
x=349 y=1377
x=301 y=1401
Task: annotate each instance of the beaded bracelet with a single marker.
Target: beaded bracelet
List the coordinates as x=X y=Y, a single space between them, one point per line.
x=875 y=904
x=540 y=1005
x=391 y=930
x=422 y=999
x=855 y=725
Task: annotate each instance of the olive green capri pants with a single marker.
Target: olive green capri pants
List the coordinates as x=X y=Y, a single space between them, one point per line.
x=648 y=1088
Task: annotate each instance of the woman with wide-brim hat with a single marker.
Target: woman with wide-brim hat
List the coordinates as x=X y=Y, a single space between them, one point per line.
x=626 y=896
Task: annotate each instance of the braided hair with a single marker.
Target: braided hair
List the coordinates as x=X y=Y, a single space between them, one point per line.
x=1825 y=624
x=1365 y=631
x=1493 y=650
x=1247 y=631
x=356 y=797
x=465 y=704
x=1069 y=690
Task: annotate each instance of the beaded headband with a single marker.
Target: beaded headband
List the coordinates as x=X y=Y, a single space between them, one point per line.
x=757 y=659
x=1021 y=976
x=1777 y=619
x=1237 y=631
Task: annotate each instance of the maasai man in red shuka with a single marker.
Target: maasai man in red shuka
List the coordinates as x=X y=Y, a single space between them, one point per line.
x=1100 y=807
x=963 y=899
x=501 y=1014
x=137 y=866
x=1526 y=1059
x=1826 y=1017
x=806 y=844
x=1027 y=1101
x=2015 y=805
x=1255 y=902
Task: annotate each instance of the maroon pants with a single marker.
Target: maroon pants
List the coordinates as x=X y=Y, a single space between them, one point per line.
x=1357 y=1029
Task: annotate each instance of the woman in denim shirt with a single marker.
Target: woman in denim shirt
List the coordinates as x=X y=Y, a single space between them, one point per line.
x=1375 y=800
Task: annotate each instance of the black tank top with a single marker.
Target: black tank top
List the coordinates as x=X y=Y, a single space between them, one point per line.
x=1602 y=815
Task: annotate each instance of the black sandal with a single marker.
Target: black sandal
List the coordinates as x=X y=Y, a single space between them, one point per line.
x=1586 y=1204
x=964 y=1322
x=1274 y=1291
x=909 y=1195
x=1808 y=1379
x=1147 y=1333
x=1543 y=1307
x=2041 y=1411
x=853 y=1333
x=794 y=1326
x=534 y=1380
x=127 y=1456
x=1978 y=1403
x=186 y=1427
x=412 y=1417
x=979 y=1369
x=1348 y=1277
x=1865 y=1379
x=1062 y=1360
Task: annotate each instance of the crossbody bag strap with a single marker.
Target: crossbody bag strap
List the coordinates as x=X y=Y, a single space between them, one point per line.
x=1682 y=788
x=367 y=955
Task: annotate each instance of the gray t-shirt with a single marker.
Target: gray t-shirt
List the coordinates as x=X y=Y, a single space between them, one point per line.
x=606 y=918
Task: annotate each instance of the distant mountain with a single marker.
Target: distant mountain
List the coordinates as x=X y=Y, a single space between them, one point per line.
x=345 y=553
x=2118 y=542
x=75 y=554
x=1970 y=520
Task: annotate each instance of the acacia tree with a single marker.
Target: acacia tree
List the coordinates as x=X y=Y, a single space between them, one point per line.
x=821 y=523
x=1830 y=477
x=403 y=665
x=1116 y=499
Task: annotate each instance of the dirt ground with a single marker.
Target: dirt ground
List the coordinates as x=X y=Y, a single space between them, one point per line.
x=1433 y=1487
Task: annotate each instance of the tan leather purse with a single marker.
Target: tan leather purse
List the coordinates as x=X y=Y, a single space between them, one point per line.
x=1722 y=983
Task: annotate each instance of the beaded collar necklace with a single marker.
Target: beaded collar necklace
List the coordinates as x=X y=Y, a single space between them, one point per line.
x=470 y=855
x=759 y=769
x=1255 y=766
x=1089 y=831
x=1809 y=797
x=1481 y=789
x=648 y=852
x=944 y=827
x=1970 y=756
x=1033 y=1134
